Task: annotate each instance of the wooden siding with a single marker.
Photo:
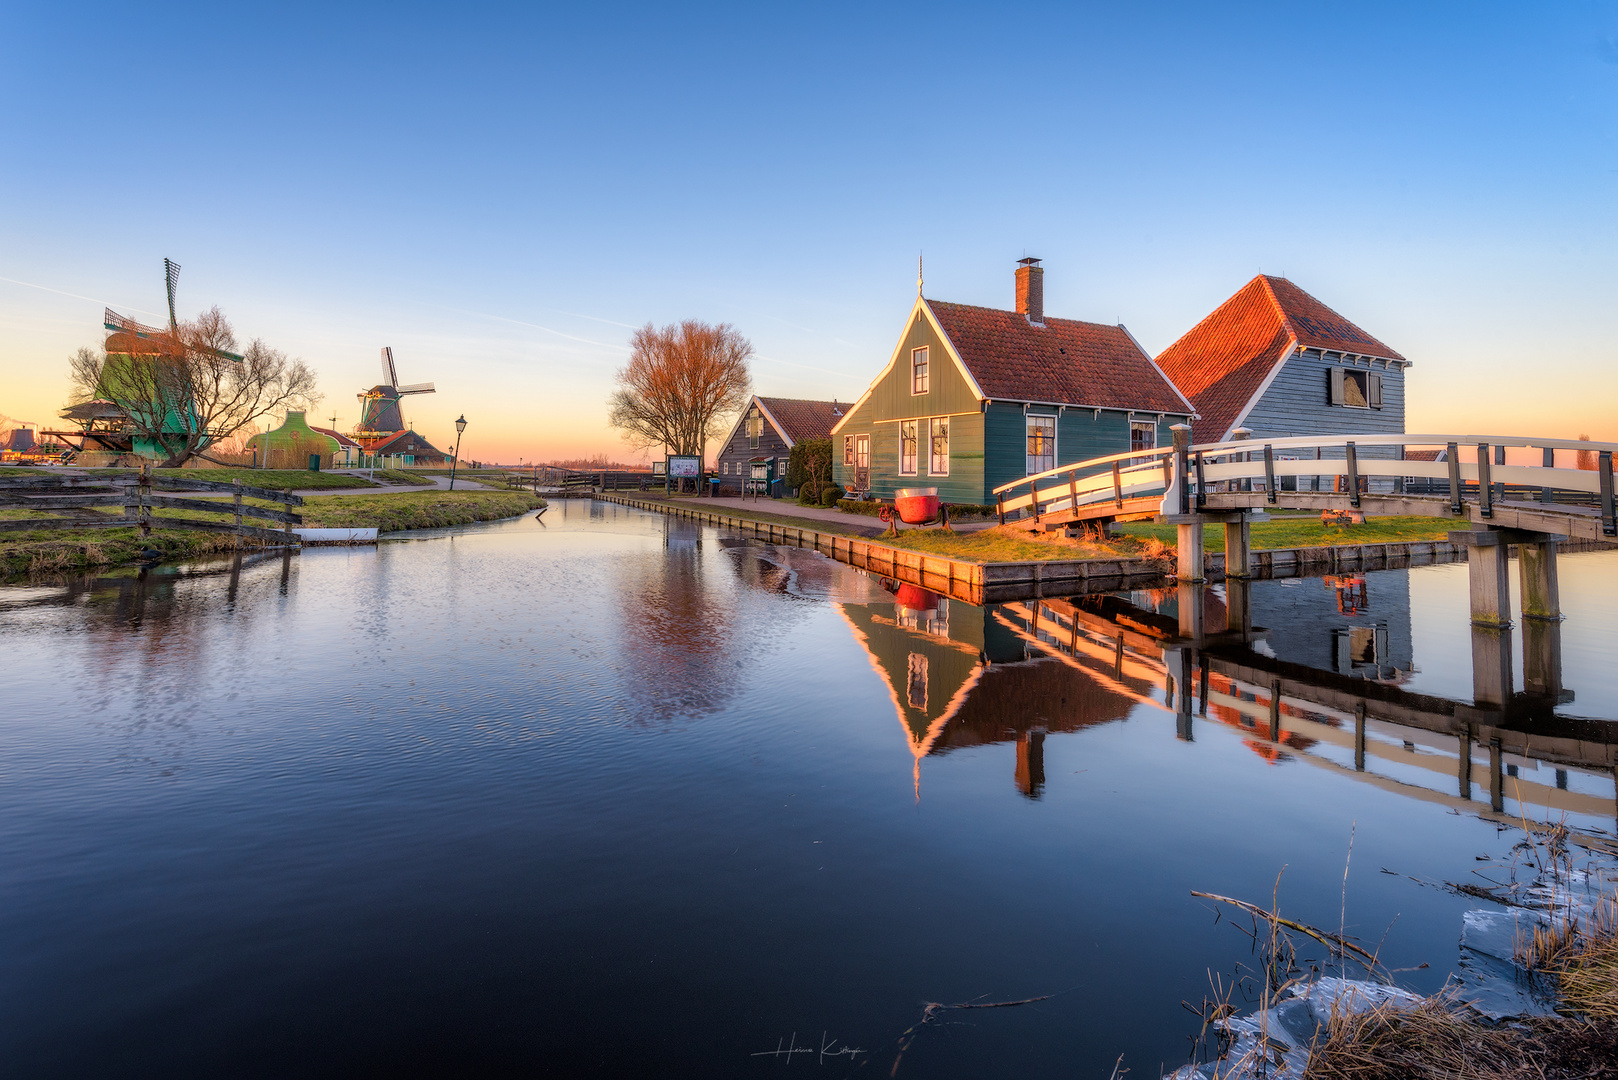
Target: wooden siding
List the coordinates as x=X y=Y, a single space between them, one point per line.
x=964 y=484
x=949 y=393
x=1080 y=434
x=1296 y=403
x=738 y=452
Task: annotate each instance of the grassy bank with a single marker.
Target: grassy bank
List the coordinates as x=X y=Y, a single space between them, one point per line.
x=414 y=509
x=1005 y=543
x=54 y=551
x=58 y=551
x=269 y=479
x=1308 y=532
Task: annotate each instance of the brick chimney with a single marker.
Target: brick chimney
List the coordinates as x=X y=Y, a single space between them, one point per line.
x=1031 y=290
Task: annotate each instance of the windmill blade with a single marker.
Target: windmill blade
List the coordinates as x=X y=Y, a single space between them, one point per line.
x=390 y=375
x=416 y=388
x=171 y=276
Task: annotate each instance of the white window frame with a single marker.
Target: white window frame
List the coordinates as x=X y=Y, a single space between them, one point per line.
x=921 y=370
x=933 y=458
x=848 y=450
x=755 y=428
x=1137 y=425
x=915 y=443
x=862 y=452
x=1028 y=429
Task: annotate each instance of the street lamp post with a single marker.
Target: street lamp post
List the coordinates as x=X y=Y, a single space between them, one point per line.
x=460 y=429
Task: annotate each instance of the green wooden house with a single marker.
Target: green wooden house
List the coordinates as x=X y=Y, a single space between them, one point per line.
x=976 y=397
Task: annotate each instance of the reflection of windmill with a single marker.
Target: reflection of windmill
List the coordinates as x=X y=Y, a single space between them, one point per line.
x=379 y=406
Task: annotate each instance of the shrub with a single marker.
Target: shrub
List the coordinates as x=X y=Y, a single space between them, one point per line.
x=830 y=494
x=868 y=507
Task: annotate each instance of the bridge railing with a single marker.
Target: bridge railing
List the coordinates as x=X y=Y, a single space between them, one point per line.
x=1186 y=477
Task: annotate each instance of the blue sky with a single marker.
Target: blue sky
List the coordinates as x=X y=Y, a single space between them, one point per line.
x=500 y=193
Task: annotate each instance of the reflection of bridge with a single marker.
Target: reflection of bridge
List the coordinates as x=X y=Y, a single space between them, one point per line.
x=1331 y=719
x=1226 y=483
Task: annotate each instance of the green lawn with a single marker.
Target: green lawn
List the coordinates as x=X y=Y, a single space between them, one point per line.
x=1308 y=532
x=414 y=509
x=268 y=479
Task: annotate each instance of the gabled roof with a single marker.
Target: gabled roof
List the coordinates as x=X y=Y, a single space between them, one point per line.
x=342 y=440
x=399 y=436
x=1063 y=361
x=798 y=419
x=1226 y=360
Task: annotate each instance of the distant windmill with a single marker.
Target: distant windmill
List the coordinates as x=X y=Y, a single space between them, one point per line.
x=134 y=331
x=379 y=406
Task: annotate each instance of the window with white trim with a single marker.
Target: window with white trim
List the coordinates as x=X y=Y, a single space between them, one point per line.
x=938 y=439
x=1142 y=436
x=920 y=380
x=1041 y=443
x=755 y=429
x=907 y=448
x=848 y=449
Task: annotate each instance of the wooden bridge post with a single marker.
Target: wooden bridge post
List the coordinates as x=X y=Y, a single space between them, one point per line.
x=1269 y=474
x=1452 y=453
x=1609 y=519
x=1536 y=562
x=1352 y=461
x=1548 y=460
x=1239 y=608
x=1117 y=488
x=1485 y=488
x=1182 y=467
x=1188 y=540
x=1497 y=780
x=1238 y=548
x=1359 y=736
x=1488 y=572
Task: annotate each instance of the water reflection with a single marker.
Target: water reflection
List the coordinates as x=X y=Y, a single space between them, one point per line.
x=1322 y=683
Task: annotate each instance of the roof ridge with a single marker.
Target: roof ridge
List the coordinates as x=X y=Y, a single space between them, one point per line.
x=1011 y=311
x=1280 y=309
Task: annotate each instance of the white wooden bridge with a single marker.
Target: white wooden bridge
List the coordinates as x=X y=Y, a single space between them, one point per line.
x=1495 y=505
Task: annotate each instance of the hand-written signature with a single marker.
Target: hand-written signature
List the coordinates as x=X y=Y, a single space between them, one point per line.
x=829 y=1048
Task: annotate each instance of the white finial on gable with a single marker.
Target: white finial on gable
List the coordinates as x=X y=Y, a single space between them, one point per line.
x=918 y=273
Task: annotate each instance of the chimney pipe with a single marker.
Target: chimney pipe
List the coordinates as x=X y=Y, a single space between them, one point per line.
x=1031 y=290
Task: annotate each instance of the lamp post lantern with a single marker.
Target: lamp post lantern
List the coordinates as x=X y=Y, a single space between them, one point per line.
x=460 y=429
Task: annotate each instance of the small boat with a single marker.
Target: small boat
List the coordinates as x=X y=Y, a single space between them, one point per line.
x=540 y=512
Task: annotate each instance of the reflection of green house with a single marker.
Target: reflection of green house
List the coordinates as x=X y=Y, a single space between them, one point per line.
x=293 y=440
x=931 y=652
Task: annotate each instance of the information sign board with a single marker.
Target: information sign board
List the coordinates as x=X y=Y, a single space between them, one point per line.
x=684 y=466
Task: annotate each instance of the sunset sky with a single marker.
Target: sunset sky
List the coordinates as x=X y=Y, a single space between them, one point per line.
x=502 y=193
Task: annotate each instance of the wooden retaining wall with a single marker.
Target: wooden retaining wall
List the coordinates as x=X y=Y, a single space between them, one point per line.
x=994 y=583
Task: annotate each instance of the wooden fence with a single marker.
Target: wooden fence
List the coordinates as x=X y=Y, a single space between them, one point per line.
x=86 y=497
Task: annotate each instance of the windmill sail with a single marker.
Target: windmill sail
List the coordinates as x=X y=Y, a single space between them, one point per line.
x=390 y=374
x=379 y=406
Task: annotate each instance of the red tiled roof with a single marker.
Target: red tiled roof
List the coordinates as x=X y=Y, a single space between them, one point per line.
x=1222 y=361
x=342 y=440
x=1065 y=361
x=1422 y=455
x=800 y=419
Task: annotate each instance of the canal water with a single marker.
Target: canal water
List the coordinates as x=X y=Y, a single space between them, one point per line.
x=615 y=794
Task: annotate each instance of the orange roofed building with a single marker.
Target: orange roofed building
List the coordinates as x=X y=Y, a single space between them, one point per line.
x=1276 y=361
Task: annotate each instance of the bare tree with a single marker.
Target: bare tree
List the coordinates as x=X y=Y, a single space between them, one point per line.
x=680 y=383
x=186 y=389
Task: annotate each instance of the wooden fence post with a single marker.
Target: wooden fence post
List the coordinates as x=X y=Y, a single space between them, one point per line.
x=236 y=503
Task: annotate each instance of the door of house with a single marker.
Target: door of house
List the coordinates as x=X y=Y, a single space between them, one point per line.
x=862 y=463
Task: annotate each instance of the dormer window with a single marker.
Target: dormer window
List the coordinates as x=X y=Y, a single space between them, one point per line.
x=755 y=429
x=920 y=382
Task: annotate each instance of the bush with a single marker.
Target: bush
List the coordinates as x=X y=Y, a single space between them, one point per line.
x=830 y=494
x=868 y=507
x=806 y=497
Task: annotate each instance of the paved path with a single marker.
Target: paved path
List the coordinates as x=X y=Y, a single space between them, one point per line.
x=858 y=524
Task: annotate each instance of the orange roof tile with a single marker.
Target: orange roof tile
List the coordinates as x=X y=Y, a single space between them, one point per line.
x=1064 y=361
x=1222 y=362
x=800 y=419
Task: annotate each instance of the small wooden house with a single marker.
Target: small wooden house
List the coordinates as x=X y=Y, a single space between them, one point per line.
x=976 y=397
x=764 y=435
x=1276 y=361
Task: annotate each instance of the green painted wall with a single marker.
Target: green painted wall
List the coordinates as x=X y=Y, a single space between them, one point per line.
x=964 y=484
x=948 y=393
x=1080 y=434
x=294 y=430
